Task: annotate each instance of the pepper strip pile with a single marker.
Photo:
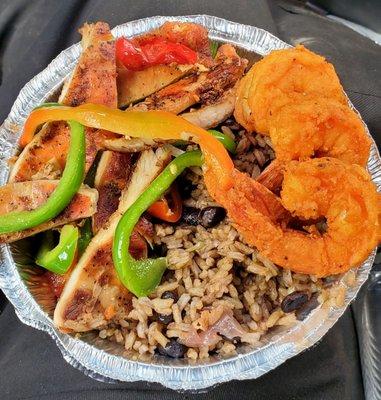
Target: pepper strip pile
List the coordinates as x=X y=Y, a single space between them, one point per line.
x=160 y=125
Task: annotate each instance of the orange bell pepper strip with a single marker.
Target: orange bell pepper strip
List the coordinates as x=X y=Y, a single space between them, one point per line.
x=160 y=125
x=168 y=212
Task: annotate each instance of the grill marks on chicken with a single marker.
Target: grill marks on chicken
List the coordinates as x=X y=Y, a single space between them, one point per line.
x=25 y=196
x=94 y=77
x=210 y=116
x=205 y=88
x=94 y=279
x=137 y=85
x=93 y=81
x=113 y=173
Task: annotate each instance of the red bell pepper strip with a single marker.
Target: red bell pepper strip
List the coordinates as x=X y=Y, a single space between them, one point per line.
x=153 y=51
x=168 y=211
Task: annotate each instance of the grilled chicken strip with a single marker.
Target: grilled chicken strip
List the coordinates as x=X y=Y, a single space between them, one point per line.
x=204 y=88
x=212 y=115
x=113 y=173
x=22 y=196
x=93 y=296
x=134 y=86
x=93 y=81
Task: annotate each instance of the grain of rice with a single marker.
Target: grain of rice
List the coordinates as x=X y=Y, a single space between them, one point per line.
x=227 y=131
x=227 y=348
x=176 y=314
x=251 y=338
x=192 y=354
x=130 y=340
x=103 y=334
x=143 y=348
x=273 y=318
x=204 y=352
x=155 y=335
x=196 y=291
x=183 y=300
x=166 y=287
x=177 y=258
x=286 y=320
x=162 y=306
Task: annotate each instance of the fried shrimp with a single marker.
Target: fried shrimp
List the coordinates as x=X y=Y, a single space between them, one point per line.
x=319 y=127
x=280 y=78
x=327 y=188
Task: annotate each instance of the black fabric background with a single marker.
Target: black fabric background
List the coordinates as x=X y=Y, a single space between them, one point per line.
x=34 y=32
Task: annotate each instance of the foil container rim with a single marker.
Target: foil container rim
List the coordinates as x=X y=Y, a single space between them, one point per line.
x=98 y=363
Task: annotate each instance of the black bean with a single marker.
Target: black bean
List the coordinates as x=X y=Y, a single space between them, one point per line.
x=185 y=187
x=232 y=124
x=211 y=216
x=234 y=340
x=159 y=250
x=165 y=318
x=207 y=217
x=293 y=301
x=173 y=349
x=307 y=307
x=169 y=295
x=191 y=215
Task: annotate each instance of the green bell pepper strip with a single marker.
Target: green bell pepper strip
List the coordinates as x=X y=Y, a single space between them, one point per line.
x=59 y=258
x=48 y=104
x=86 y=234
x=142 y=276
x=68 y=186
x=226 y=140
x=213 y=48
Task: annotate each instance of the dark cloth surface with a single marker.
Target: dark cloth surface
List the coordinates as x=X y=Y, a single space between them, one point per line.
x=31 y=34
x=33 y=368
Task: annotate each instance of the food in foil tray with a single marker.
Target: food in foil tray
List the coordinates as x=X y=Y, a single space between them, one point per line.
x=186 y=202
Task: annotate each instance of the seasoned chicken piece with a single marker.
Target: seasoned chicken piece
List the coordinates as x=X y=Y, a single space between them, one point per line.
x=93 y=295
x=212 y=115
x=204 y=88
x=22 y=196
x=94 y=77
x=93 y=81
x=137 y=85
x=129 y=145
x=113 y=172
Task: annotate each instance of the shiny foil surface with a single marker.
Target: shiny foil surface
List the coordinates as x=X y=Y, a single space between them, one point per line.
x=107 y=361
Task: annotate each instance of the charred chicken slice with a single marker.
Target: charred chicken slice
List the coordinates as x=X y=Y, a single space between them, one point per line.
x=93 y=81
x=93 y=295
x=204 y=88
x=209 y=116
x=23 y=196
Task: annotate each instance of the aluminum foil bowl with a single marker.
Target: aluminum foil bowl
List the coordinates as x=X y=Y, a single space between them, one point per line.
x=103 y=360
